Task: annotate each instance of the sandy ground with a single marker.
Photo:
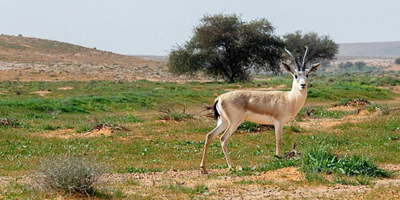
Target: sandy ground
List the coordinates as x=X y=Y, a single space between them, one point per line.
x=271 y=184
x=26 y=72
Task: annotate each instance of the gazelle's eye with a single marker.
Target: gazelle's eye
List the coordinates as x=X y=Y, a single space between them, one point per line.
x=295 y=76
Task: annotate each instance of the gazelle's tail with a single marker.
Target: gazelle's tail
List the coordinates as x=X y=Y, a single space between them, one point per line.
x=216 y=114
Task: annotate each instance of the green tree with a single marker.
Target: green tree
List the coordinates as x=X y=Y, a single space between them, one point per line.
x=320 y=47
x=226 y=47
x=397 y=61
x=360 y=65
x=346 y=66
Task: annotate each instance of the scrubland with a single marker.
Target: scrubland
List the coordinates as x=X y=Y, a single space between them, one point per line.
x=148 y=136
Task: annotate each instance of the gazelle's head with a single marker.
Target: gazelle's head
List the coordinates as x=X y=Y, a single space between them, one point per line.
x=300 y=73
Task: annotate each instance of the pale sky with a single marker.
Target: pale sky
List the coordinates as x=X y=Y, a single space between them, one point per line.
x=154 y=27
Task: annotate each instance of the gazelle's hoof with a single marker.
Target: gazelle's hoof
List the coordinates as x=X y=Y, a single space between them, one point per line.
x=231 y=169
x=203 y=170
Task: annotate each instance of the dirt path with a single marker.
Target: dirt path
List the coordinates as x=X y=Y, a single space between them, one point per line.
x=285 y=183
x=278 y=184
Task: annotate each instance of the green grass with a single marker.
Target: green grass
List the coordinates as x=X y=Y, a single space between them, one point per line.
x=139 y=170
x=321 y=112
x=377 y=140
x=348 y=89
x=321 y=160
x=335 y=88
x=249 y=127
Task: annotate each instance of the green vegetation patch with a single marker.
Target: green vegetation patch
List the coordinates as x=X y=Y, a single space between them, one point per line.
x=321 y=112
x=321 y=160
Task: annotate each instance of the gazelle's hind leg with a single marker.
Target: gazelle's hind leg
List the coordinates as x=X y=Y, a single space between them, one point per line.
x=224 y=140
x=221 y=126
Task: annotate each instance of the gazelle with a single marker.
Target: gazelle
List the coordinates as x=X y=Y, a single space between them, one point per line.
x=263 y=107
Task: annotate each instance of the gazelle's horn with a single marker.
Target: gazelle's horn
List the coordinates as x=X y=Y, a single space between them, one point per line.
x=304 y=59
x=294 y=58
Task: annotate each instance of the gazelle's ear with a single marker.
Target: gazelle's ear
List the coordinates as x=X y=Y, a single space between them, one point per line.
x=314 y=68
x=287 y=68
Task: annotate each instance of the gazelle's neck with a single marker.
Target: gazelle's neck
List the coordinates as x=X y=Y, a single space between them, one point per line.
x=297 y=96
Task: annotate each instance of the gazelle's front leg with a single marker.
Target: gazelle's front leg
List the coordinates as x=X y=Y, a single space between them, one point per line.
x=278 y=136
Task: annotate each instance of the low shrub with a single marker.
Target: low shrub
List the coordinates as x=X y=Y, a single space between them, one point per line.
x=70 y=174
x=175 y=115
x=385 y=109
x=8 y=122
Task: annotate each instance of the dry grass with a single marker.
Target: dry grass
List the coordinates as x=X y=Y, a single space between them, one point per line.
x=70 y=175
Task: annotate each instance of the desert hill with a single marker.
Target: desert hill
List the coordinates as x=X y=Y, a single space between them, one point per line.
x=34 y=59
x=27 y=49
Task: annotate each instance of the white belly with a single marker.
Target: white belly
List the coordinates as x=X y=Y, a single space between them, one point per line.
x=257 y=118
x=263 y=119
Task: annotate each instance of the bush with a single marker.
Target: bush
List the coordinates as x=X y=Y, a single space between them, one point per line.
x=384 y=108
x=70 y=174
x=360 y=65
x=346 y=65
x=397 y=61
x=8 y=122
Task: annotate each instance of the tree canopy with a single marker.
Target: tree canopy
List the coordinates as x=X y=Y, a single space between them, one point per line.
x=397 y=61
x=226 y=47
x=320 y=47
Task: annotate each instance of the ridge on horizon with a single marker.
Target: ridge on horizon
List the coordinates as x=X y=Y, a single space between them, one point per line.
x=369 y=42
x=26 y=46
x=369 y=50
